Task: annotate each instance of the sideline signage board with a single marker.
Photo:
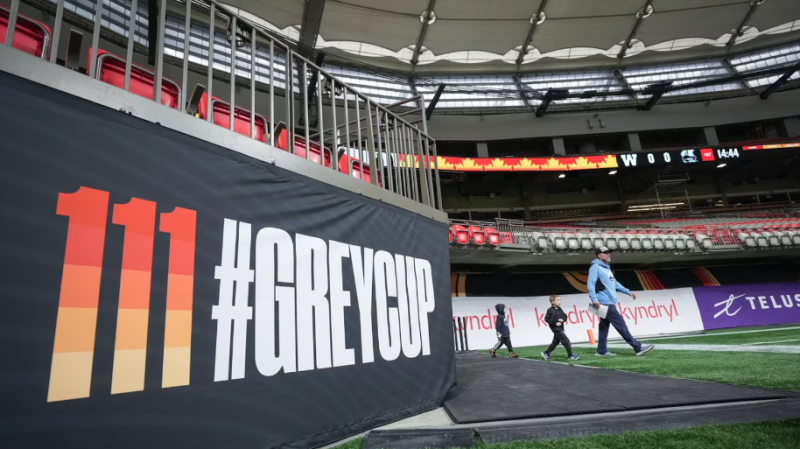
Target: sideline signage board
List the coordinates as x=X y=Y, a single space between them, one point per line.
x=654 y=312
x=159 y=291
x=749 y=304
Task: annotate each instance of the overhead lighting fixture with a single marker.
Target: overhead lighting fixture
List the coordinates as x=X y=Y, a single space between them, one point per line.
x=562 y=176
x=429 y=18
x=645 y=12
x=612 y=172
x=538 y=19
x=722 y=165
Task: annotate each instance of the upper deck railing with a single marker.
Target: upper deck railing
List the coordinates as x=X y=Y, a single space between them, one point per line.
x=349 y=133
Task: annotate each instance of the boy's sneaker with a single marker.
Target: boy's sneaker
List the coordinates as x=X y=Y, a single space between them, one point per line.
x=546 y=356
x=605 y=354
x=491 y=351
x=574 y=357
x=513 y=356
x=645 y=349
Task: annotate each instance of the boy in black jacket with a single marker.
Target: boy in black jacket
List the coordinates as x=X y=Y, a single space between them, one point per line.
x=556 y=318
x=503 y=332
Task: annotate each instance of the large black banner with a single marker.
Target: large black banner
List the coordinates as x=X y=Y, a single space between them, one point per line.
x=158 y=291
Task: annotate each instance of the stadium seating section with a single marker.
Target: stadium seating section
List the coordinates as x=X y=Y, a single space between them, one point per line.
x=30 y=36
x=669 y=235
x=111 y=70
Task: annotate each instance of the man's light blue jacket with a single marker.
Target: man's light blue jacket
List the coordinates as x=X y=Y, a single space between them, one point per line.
x=601 y=284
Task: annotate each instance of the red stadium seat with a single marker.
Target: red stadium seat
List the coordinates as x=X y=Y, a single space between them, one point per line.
x=492 y=236
x=462 y=235
x=111 y=70
x=357 y=168
x=241 y=120
x=506 y=237
x=300 y=147
x=476 y=235
x=30 y=36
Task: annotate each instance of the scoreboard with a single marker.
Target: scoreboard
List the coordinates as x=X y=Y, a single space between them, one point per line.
x=691 y=156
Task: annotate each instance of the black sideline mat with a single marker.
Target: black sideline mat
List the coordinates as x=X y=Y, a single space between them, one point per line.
x=504 y=388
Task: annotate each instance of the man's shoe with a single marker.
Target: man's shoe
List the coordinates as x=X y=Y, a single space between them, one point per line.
x=546 y=356
x=574 y=357
x=605 y=354
x=513 y=356
x=491 y=351
x=645 y=349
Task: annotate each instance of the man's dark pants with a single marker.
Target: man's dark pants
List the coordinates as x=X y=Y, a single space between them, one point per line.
x=614 y=318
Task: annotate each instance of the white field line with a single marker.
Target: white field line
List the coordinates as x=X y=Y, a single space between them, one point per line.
x=771 y=342
x=711 y=348
x=668 y=337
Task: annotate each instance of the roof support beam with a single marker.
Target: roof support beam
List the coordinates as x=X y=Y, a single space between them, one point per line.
x=738 y=33
x=312 y=19
x=522 y=92
x=625 y=85
x=534 y=23
x=779 y=82
x=422 y=33
x=657 y=91
x=435 y=100
x=636 y=26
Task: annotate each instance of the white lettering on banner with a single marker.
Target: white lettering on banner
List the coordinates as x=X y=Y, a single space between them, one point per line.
x=272 y=242
x=306 y=279
x=426 y=300
x=313 y=312
x=784 y=301
x=362 y=273
x=229 y=313
x=388 y=332
x=657 y=312
x=340 y=298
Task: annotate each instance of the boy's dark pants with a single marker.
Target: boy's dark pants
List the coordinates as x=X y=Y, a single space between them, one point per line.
x=560 y=337
x=503 y=341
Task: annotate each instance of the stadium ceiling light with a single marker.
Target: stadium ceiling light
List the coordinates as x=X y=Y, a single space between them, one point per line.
x=423 y=16
x=562 y=176
x=645 y=12
x=539 y=19
x=722 y=165
x=612 y=172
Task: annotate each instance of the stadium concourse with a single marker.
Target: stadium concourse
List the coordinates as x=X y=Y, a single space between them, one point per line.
x=222 y=224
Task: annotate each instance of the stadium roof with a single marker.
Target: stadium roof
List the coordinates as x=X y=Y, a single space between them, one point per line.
x=456 y=34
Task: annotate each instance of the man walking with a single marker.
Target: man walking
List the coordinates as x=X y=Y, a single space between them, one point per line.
x=603 y=290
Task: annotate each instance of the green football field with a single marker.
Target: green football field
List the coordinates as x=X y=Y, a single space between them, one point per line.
x=778 y=370
x=731 y=361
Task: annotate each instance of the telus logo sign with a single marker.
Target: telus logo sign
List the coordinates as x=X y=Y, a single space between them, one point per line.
x=756 y=303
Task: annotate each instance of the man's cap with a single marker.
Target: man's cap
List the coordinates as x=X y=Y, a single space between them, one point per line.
x=603 y=250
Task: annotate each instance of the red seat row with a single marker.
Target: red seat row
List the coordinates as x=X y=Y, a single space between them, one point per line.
x=111 y=70
x=475 y=235
x=30 y=36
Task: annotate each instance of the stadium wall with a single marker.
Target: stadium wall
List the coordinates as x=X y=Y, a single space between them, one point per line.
x=663 y=116
x=160 y=291
x=570 y=282
x=653 y=313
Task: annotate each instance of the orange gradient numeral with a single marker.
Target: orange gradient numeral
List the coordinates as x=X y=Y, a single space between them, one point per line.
x=76 y=325
x=73 y=348
x=180 y=224
x=130 y=346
